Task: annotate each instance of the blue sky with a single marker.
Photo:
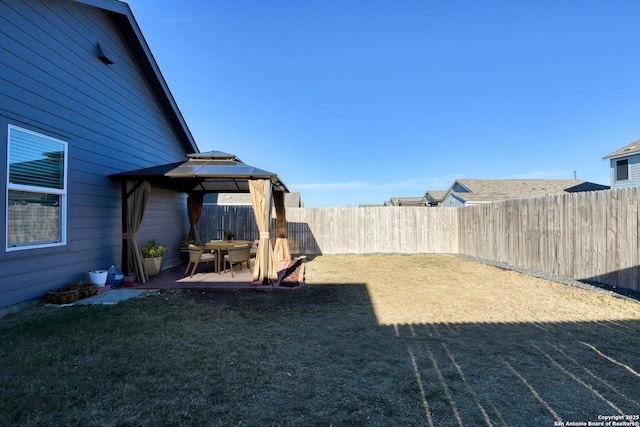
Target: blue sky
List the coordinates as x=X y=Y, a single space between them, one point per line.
x=353 y=102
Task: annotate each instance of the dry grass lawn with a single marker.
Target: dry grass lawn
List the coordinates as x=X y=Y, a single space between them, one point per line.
x=381 y=340
x=448 y=289
x=491 y=346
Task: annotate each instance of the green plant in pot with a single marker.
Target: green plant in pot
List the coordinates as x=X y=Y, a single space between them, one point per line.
x=184 y=248
x=229 y=235
x=152 y=253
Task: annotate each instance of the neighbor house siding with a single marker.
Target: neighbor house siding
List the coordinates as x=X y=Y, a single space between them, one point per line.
x=452 y=201
x=53 y=83
x=634 y=172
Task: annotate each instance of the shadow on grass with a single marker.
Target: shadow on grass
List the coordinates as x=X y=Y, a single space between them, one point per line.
x=524 y=373
x=317 y=357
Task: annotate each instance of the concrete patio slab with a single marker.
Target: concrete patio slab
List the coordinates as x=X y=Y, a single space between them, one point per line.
x=112 y=296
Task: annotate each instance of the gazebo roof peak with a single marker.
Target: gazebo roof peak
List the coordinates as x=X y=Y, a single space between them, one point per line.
x=214 y=155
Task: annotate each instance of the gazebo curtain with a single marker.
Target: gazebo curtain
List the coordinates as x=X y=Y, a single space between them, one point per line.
x=281 y=251
x=195 y=200
x=265 y=269
x=135 y=197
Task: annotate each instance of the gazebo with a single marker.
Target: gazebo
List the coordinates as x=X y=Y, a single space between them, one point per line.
x=211 y=172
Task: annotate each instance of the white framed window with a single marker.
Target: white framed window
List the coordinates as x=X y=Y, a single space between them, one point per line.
x=36 y=190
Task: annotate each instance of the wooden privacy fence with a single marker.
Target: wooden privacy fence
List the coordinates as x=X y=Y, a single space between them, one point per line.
x=587 y=236
x=406 y=230
x=344 y=230
x=215 y=220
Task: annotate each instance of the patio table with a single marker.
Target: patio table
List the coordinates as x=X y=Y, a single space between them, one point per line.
x=224 y=245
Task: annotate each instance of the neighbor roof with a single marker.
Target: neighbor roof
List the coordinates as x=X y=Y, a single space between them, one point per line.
x=406 y=201
x=627 y=150
x=491 y=190
x=435 y=195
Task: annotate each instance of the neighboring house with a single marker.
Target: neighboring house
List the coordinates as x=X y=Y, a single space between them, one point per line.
x=291 y=200
x=82 y=98
x=434 y=197
x=467 y=192
x=624 y=165
x=406 y=201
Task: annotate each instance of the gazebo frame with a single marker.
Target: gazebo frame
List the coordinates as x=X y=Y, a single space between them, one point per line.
x=201 y=173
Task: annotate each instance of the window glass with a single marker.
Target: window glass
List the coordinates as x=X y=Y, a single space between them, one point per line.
x=36 y=198
x=622 y=170
x=35 y=161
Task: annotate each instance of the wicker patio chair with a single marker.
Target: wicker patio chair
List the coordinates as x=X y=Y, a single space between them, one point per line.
x=198 y=254
x=237 y=256
x=254 y=248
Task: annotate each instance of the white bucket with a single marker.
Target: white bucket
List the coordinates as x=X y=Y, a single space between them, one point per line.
x=99 y=277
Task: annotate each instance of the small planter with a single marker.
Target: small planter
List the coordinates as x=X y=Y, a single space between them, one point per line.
x=99 y=277
x=153 y=265
x=65 y=295
x=85 y=289
x=152 y=254
x=72 y=293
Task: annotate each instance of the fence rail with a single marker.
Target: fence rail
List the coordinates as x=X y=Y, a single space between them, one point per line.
x=588 y=236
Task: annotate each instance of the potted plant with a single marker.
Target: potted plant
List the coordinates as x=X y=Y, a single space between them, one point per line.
x=152 y=253
x=229 y=234
x=184 y=248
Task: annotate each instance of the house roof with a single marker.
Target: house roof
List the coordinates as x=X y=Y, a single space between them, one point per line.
x=435 y=195
x=492 y=190
x=406 y=201
x=627 y=150
x=132 y=35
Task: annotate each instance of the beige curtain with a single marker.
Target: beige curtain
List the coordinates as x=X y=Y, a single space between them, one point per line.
x=281 y=251
x=195 y=199
x=135 y=197
x=265 y=268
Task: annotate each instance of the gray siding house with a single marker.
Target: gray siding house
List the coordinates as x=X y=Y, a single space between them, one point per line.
x=434 y=197
x=81 y=98
x=624 y=166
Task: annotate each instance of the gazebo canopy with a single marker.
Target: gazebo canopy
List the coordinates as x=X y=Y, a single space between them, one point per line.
x=211 y=172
